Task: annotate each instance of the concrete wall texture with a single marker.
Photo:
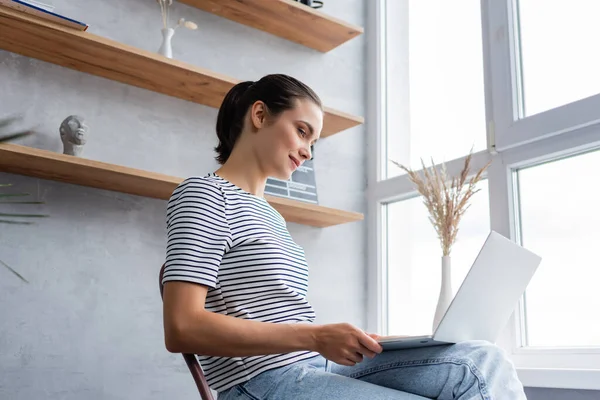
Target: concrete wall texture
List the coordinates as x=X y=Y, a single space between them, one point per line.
x=88 y=324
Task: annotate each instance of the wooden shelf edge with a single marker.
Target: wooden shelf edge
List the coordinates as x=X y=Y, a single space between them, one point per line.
x=38 y=163
x=336 y=121
x=136 y=67
x=49 y=165
x=86 y=36
x=286 y=19
x=321 y=15
x=312 y=214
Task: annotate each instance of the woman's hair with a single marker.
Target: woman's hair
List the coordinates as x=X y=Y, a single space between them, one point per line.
x=278 y=92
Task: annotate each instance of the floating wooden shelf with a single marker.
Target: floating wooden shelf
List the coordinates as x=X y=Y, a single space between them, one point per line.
x=83 y=51
x=288 y=19
x=45 y=164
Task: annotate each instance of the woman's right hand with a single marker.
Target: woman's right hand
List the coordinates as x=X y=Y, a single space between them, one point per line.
x=344 y=344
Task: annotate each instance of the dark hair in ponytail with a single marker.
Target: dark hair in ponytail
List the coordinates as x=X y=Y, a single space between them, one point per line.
x=278 y=92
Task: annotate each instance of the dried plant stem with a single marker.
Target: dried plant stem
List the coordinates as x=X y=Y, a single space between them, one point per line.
x=446 y=198
x=164 y=9
x=165 y=12
x=167 y=8
x=13 y=271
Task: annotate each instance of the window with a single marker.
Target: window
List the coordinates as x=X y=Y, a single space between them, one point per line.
x=558 y=205
x=517 y=81
x=555 y=40
x=542 y=75
x=414 y=260
x=434 y=92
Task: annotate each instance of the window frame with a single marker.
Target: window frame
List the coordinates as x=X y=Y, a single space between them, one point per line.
x=508 y=148
x=551 y=367
x=509 y=128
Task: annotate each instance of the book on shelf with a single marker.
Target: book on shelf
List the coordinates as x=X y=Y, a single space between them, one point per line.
x=44 y=6
x=301 y=186
x=29 y=7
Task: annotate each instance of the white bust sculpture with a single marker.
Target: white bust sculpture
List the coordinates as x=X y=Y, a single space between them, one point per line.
x=73 y=133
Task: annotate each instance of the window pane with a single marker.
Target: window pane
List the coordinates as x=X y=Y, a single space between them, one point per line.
x=434 y=90
x=415 y=260
x=559 y=221
x=558 y=58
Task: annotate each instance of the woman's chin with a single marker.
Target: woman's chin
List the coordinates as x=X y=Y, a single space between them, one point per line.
x=283 y=175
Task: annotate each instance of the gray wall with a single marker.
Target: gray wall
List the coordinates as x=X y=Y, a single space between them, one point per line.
x=88 y=325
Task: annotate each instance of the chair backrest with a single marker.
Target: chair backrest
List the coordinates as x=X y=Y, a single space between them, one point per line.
x=190 y=359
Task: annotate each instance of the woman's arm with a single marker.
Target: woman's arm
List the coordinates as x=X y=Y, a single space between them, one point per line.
x=189 y=328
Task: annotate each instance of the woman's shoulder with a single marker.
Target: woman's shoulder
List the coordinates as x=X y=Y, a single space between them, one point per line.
x=198 y=184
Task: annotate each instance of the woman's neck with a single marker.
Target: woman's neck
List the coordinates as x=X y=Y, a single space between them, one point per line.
x=244 y=175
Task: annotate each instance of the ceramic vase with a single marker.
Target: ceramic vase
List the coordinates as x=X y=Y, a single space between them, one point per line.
x=165 y=48
x=445 y=296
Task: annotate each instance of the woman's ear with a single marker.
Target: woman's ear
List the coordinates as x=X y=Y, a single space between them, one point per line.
x=258 y=114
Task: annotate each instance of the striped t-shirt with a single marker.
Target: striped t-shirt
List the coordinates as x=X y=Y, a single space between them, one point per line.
x=238 y=246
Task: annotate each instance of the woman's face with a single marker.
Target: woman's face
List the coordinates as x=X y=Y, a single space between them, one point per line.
x=285 y=142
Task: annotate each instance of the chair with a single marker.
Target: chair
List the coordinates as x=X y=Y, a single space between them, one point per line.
x=191 y=360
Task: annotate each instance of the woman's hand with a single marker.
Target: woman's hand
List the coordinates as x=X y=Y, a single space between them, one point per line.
x=345 y=344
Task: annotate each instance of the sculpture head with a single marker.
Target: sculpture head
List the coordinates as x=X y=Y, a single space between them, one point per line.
x=74 y=130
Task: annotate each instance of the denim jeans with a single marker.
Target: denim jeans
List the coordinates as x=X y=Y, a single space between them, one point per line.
x=473 y=370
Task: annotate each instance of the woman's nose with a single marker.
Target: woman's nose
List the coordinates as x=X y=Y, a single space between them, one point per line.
x=305 y=153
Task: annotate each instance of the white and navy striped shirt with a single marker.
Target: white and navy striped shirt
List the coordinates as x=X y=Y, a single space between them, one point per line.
x=238 y=246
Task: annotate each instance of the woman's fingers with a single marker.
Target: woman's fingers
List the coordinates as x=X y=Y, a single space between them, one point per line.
x=370 y=343
x=346 y=362
x=366 y=352
x=353 y=356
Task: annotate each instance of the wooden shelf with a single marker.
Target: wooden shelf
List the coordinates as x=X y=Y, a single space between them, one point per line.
x=83 y=51
x=288 y=19
x=45 y=164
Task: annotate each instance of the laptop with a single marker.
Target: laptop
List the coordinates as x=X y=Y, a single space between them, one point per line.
x=485 y=300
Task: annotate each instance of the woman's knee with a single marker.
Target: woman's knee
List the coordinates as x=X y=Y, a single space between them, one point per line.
x=483 y=354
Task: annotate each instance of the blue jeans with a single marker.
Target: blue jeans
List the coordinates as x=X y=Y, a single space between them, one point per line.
x=473 y=370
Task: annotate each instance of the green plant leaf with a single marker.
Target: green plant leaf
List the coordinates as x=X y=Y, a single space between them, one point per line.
x=21 y=202
x=15 y=135
x=13 y=271
x=4 y=122
x=9 y=221
x=22 y=215
x=9 y=120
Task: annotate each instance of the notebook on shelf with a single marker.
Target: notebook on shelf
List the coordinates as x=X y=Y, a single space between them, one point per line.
x=43 y=13
x=39 y=4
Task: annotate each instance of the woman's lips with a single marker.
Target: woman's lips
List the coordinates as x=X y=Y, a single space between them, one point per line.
x=294 y=163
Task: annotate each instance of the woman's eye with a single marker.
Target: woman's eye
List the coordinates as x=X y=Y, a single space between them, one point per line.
x=302 y=131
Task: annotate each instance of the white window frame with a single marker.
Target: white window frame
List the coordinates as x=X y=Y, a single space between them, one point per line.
x=510 y=128
x=551 y=367
x=511 y=145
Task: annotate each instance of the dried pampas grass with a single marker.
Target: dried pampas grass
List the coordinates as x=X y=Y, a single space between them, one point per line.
x=164 y=10
x=446 y=198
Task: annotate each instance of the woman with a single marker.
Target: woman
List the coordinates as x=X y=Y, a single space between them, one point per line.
x=235 y=282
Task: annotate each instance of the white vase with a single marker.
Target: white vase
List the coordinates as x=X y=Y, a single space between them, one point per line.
x=445 y=296
x=165 y=48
